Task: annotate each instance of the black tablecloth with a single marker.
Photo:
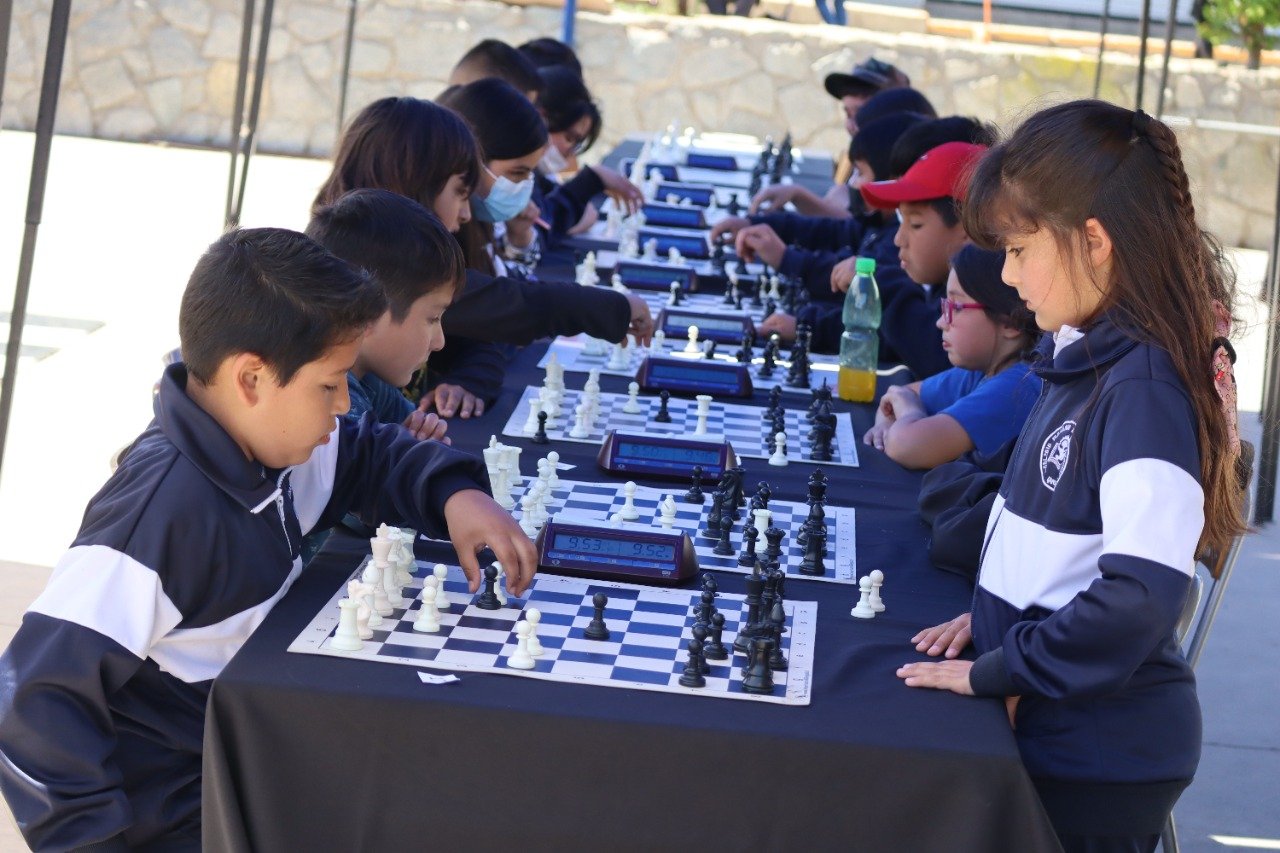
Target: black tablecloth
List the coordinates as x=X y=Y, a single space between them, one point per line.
x=304 y=752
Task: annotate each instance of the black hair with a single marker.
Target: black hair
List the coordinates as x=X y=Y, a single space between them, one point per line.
x=946 y=209
x=274 y=293
x=406 y=145
x=565 y=101
x=874 y=142
x=903 y=99
x=396 y=240
x=979 y=272
x=497 y=59
x=923 y=138
x=543 y=52
x=506 y=125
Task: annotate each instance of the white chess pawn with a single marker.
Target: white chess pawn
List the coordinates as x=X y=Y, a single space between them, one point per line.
x=498 y=583
x=428 y=621
x=520 y=658
x=629 y=511
x=442 y=595
x=668 y=510
x=553 y=460
x=692 y=346
x=616 y=519
x=704 y=410
x=674 y=256
x=877 y=580
x=779 y=456
x=347 y=637
x=632 y=406
x=581 y=413
x=619 y=358
x=533 y=616
x=531 y=422
x=526 y=515
x=372 y=575
x=863 y=609
x=651 y=249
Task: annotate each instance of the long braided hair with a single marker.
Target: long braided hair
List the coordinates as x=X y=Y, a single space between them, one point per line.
x=1169 y=280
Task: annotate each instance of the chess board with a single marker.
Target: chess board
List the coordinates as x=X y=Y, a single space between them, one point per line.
x=742 y=426
x=573 y=501
x=649 y=633
x=574 y=356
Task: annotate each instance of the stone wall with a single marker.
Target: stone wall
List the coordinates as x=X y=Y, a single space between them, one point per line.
x=166 y=69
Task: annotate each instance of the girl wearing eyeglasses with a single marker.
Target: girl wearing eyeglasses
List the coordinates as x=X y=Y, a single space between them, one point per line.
x=984 y=399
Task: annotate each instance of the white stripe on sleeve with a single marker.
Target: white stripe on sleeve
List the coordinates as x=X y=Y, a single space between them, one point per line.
x=1153 y=510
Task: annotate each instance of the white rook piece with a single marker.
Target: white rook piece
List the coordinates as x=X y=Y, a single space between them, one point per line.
x=704 y=409
x=347 y=637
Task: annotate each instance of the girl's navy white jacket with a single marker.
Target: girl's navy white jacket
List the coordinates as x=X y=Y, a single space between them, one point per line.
x=1089 y=551
x=180 y=556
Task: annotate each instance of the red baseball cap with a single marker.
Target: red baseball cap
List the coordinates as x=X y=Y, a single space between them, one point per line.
x=940 y=172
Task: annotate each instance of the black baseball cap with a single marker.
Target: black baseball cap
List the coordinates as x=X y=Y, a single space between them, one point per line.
x=866 y=78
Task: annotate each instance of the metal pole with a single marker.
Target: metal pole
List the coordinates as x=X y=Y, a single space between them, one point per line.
x=255 y=104
x=59 y=16
x=1169 y=26
x=1144 y=29
x=230 y=216
x=1265 y=501
x=346 y=65
x=1102 y=44
x=566 y=29
x=6 y=17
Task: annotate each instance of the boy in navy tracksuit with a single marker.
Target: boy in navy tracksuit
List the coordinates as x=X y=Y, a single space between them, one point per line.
x=196 y=536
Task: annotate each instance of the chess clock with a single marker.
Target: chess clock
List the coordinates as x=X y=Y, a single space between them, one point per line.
x=674 y=216
x=691 y=244
x=667 y=457
x=719 y=162
x=655 y=276
x=697 y=194
x=675 y=323
x=695 y=376
x=666 y=170
x=637 y=555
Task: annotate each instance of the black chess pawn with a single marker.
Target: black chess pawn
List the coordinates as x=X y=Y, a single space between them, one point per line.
x=540 y=437
x=663 y=416
x=759 y=678
x=775 y=398
x=724 y=547
x=745 y=352
x=777 y=625
x=709 y=584
x=728 y=293
x=695 y=494
x=692 y=675
x=487 y=599
x=740 y=267
x=748 y=555
x=596 y=629
x=773 y=551
x=770 y=308
x=709 y=349
x=712 y=530
x=764 y=493
x=715 y=648
x=700 y=633
x=702 y=610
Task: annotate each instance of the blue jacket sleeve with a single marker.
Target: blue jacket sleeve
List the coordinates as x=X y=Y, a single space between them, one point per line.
x=478 y=366
x=813 y=268
x=814 y=232
x=519 y=312
x=1152 y=509
x=562 y=205
x=383 y=474
x=57 y=736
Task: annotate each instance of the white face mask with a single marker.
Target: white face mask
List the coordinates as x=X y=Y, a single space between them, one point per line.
x=553 y=162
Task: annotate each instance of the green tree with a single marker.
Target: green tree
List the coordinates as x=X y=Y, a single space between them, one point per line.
x=1246 y=20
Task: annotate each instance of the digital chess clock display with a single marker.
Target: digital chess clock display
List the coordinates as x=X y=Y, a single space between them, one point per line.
x=666 y=170
x=719 y=328
x=650 y=277
x=721 y=162
x=622 y=553
x=699 y=194
x=693 y=371
x=666 y=457
x=674 y=215
x=695 y=376
x=689 y=245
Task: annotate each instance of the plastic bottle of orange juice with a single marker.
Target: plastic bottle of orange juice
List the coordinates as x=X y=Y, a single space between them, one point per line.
x=860 y=343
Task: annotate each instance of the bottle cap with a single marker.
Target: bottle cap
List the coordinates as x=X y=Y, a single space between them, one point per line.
x=865 y=266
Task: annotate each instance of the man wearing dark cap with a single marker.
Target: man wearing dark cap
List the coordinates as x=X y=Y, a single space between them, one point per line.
x=854 y=89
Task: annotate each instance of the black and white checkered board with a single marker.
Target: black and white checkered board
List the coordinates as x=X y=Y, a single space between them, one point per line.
x=742 y=426
x=572 y=500
x=574 y=356
x=649 y=633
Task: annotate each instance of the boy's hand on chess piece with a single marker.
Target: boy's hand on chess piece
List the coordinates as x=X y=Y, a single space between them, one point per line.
x=476 y=521
x=730 y=225
x=842 y=274
x=641 y=327
x=450 y=400
x=777 y=196
x=760 y=242
x=623 y=192
x=424 y=425
x=949 y=639
x=778 y=323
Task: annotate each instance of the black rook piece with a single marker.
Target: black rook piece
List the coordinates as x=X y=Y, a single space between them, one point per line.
x=596 y=629
x=487 y=599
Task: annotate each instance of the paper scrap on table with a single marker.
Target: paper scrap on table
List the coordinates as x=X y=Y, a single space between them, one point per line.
x=430 y=678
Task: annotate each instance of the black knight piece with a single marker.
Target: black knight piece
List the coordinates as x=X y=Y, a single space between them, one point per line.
x=712 y=530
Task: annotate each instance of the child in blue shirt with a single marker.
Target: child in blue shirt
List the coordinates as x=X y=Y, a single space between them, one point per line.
x=985 y=398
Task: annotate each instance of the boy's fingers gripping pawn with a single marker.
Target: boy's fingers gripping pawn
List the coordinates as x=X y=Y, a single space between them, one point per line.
x=476 y=521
